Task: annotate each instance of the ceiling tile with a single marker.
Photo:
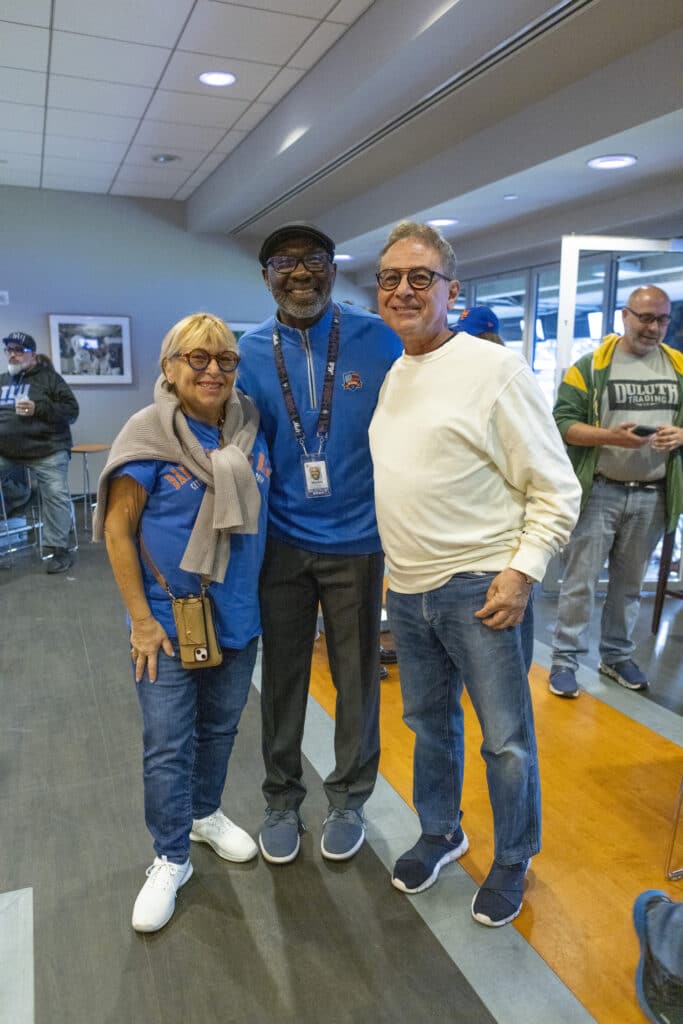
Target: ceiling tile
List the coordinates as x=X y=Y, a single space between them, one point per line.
x=200 y=175
x=22 y=86
x=319 y=43
x=348 y=10
x=155 y=174
x=28 y=12
x=225 y=30
x=72 y=184
x=67 y=93
x=20 y=162
x=304 y=8
x=84 y=149
x=142 y=155
x=106 y=60
x=256 y=113
x=186 y=108
x=23 y=47
x=231 y=140
x=72 y=167
x=285 y=80
x=27 y=179
x=187 y=136
x=20 y=142
x=19 y=117
x=78 y=125
x=143 y=191
x=184 y=69
x=155 y=21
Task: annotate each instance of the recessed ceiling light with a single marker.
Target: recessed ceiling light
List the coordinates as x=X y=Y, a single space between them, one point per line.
x=509 y=196
x=612 y=163
x=342 y=256
x=442 y=222
x=165 y=158
x=217 y=78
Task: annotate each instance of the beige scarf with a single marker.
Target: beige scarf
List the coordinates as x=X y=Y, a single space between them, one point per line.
x=231 y=502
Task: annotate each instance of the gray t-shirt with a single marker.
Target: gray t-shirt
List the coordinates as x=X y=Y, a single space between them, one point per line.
x=643 y=390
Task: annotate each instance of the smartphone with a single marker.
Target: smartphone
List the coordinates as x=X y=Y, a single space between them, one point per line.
x=643 y=431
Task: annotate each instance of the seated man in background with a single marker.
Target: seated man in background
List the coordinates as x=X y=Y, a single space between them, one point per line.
x=620 y=412
x=37 y=408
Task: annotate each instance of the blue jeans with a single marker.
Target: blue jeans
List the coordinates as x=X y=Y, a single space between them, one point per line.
x=441 y=648
x=623 y=525
x=51 y=474
x=190 y=719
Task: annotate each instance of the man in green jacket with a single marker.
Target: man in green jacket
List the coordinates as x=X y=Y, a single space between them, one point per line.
x=620 y=412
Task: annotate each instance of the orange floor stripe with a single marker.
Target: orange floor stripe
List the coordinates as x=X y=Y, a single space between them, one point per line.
x=609 y=787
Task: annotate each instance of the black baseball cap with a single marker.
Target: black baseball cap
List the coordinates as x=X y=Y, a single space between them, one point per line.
x=296 y=229
x=19 y=338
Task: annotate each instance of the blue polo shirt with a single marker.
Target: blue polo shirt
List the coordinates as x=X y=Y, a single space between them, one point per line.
x=174 y=497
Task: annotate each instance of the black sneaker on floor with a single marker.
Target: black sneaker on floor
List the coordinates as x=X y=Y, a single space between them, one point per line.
x=60 y=561
x=499 y=900
x=387 y=655
x=418 y=868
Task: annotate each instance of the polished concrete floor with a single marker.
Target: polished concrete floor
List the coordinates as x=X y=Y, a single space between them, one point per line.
x=309 y=942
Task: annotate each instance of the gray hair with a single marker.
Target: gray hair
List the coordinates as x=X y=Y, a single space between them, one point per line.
x=428 y=235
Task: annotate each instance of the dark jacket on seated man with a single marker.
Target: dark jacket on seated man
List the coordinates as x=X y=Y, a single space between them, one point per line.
x=48 y=430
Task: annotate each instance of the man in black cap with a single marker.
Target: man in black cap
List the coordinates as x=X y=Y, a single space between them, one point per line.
x=315 y=370
x=36 y=409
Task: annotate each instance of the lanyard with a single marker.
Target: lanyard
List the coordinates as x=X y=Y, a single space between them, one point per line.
x=323 y=428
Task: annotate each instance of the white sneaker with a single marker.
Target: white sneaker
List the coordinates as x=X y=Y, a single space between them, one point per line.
x=228 y=840
x=156 y=900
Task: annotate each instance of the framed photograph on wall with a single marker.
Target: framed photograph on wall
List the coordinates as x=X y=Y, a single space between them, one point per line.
x=91 y=349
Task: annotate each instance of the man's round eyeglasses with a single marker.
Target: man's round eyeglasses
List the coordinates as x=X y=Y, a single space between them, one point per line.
x=649 y=318
x=314 y=262
x=16 y=350
x=419 y=278
x=199 y=359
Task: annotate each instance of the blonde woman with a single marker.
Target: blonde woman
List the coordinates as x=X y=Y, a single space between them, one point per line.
x=182 y=502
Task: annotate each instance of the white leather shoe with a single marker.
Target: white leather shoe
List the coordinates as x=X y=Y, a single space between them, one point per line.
x=156 y=900
x=228 y=840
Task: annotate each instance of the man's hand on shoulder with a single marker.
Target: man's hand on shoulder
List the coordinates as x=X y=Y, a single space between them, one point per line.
x=506 y=600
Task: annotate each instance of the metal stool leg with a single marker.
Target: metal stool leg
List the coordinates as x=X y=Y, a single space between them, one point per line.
x=676 y=873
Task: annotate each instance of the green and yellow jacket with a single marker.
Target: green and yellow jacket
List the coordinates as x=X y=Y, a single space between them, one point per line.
x=579 y=401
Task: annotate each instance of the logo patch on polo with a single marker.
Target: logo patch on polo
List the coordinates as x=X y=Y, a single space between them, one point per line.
x=352 y=380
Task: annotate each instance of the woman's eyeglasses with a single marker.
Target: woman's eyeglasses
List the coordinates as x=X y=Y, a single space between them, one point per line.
x=199 y=359
x=419 y=278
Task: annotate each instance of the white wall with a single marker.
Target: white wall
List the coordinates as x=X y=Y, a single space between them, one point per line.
x=67 y=252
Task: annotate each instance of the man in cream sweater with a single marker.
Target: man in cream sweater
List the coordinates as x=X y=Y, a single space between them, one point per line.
x=474 y=494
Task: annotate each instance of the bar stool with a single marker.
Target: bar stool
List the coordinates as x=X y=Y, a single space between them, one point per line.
x=663 y=588
x=85 y=450
x=675 y=873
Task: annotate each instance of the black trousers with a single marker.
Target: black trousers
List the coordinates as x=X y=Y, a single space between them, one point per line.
x=349 y=590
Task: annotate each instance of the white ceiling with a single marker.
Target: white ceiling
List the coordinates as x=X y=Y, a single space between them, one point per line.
x=353 y=113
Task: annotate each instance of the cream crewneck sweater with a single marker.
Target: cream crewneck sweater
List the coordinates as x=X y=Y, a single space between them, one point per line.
x=470 y=471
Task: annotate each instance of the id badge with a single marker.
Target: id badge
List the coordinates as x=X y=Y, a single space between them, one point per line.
x=316 y=476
